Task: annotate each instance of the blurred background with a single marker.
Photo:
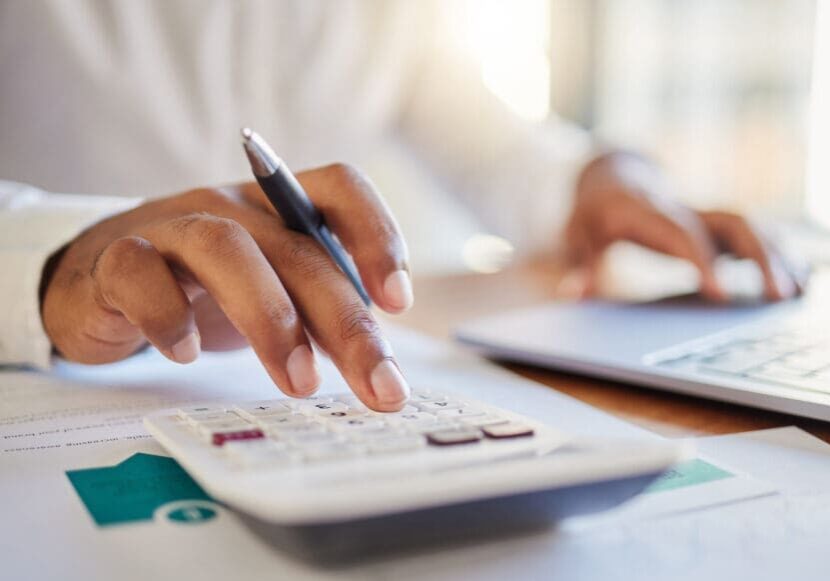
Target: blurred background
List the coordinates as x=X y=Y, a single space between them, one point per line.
x=724 y=93
x=732 y=97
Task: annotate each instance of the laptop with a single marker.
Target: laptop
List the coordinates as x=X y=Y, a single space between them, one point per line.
x=769 y=356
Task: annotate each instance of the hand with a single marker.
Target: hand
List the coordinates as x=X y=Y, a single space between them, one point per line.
x=623 y=197
x=217 y=267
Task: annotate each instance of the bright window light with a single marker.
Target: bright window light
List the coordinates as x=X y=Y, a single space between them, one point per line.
x=510 y=39
x=818 y=159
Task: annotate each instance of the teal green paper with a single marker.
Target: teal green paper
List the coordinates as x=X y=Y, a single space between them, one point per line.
x=689 y=473
x=132 y=490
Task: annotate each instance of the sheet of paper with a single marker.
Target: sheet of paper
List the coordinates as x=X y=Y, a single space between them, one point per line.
x=90 y=417
x=773 y=537
x=692 y=485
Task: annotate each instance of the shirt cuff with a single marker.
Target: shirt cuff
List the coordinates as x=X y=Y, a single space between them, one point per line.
x=33 y=225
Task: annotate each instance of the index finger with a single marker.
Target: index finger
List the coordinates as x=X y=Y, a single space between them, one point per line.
x=690 y=241
x=741 y=238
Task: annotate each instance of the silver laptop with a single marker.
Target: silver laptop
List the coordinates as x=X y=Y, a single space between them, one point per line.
x=771 y=356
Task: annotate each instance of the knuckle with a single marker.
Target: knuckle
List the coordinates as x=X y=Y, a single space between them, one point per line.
x=121 y=256
x=210 y=233
x=281 y=312
x=302 y=254
x=356 y=324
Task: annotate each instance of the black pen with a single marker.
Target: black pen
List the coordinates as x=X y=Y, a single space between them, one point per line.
x=293 y=204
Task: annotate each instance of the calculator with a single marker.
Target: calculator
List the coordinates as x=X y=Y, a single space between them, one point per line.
x=328 y=478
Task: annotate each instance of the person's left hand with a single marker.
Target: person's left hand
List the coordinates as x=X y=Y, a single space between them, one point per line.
x=621 y=196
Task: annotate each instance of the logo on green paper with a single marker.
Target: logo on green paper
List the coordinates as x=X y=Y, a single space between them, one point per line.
x=193 y=513
x=689 y=473
x=135 y=489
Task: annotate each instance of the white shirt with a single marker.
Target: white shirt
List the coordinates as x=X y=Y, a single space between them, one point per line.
x=117 y=101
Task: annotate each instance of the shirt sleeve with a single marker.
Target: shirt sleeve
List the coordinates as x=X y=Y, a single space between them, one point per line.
x=33 y=225
x=517 y=176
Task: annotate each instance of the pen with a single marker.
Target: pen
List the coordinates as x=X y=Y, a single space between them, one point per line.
x=293 y=204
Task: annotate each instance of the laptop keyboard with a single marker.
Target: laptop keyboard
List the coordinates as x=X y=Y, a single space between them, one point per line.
x=797 y=357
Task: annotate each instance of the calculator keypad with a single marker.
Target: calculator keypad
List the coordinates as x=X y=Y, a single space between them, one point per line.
x=322 y=429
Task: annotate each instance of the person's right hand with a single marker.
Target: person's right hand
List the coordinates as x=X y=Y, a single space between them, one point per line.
x=218 y=268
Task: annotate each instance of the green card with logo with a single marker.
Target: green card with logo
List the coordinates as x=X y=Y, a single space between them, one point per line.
x=134 y=489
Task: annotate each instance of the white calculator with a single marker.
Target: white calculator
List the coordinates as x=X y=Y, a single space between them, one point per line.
x=327 y=478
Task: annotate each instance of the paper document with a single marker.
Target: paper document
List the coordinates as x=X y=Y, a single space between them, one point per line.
x=73 y=450
x=772 y=537
x=73 y=453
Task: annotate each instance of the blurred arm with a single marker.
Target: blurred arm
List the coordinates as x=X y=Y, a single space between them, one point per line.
x=33 y=225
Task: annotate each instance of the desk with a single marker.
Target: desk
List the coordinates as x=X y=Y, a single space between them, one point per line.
x=444 y=301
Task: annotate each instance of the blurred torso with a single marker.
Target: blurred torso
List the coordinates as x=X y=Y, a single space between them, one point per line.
x=146 y=98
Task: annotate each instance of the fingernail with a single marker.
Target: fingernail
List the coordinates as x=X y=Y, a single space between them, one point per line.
x=389 y=385
x=302 y=370
x=187 y=350
x=397 y=290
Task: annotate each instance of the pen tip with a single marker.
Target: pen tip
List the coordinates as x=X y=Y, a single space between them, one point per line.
x=247 y=134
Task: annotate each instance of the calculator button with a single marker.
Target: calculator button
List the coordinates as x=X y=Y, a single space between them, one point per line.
x=331 y=452
x=197 y=419
x=356 y=424
x=424 y=395
x=323 y=407
x=291 y=430
x=228 y=424
x=312 y=438
x=371 y=434
x=218 y=438
x=260 y=453
x=458 y=413
x=241 y=447
x=281 y=420
x=407 y=409
x=434 y=406
x=480 y=421
x=454 y=437
x=296 y=403
x=201 y=409
x=340 y=414
x=411 y=419
x=396 y=445
x=257 y=409
x=438 y=426
x=507 y=430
